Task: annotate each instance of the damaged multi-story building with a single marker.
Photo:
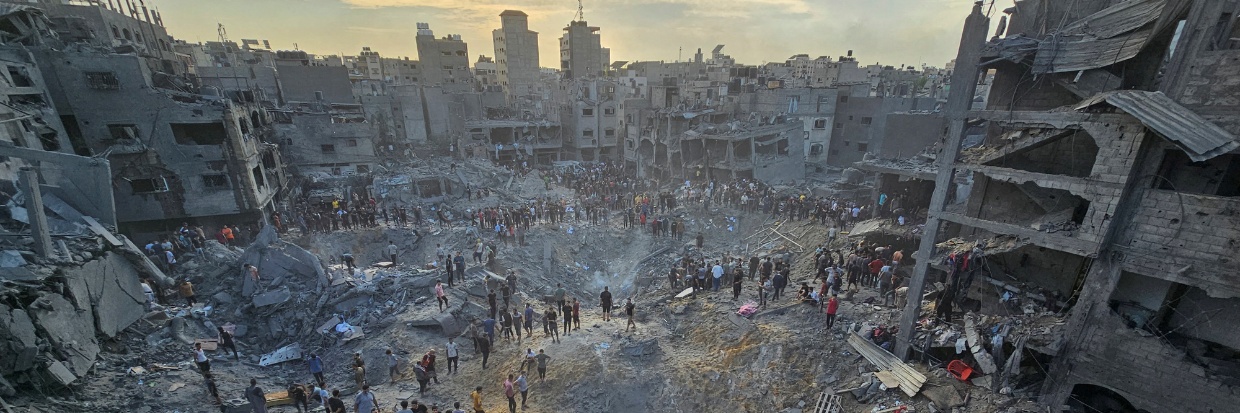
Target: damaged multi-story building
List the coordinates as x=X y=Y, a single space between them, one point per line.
x=1099 y=183
x=120 y=92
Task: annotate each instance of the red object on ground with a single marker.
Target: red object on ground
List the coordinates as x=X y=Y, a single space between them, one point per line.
x=959 y=370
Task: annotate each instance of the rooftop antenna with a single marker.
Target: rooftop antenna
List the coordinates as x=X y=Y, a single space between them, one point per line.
x=581 y=15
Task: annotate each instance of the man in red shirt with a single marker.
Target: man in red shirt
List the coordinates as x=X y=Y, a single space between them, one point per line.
x=875 y=267
x=833 y=306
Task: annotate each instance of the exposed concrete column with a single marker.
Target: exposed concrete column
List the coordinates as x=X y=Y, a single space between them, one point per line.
x=29 y=180
x=964 y=86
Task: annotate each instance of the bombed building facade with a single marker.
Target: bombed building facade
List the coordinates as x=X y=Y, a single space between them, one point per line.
x=1104 y=191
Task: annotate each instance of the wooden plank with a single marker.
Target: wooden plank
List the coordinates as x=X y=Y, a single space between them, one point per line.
x=888 y=378
x=101 y=231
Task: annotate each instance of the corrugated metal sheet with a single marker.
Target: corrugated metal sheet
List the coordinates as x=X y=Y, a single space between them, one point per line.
x=1112 y=35
x=1200 y=138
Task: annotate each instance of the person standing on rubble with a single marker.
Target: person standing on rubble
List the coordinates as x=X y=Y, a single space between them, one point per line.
x=717 y=276
x=256 y=397
x=567 y=309
x=335 y=404
x=347 y=259
x=558 y=295
x=753 y=266
x=393 y=362
x=529 y=320
x=605 y=302
x=833 y=307
x=316 y=369
x=476 y=397
x=552 y=330
x=736 y=284
x=779 y=282
x=484 y=346
x=517 y=323
x=440 y=297
x=226 y=341
x=628 y=311
x=301 y=400
x=505 y=323
x=523 y=386
x=452 y=350
x=510 y=392
x=391 y=250
x=359 y=369
x=458 y=264
x=200 y=358
x=365 y=401
x=186 y=289
x=764 y=286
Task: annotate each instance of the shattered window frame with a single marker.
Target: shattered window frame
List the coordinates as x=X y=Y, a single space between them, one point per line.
x=140 y=185
x=216 y=181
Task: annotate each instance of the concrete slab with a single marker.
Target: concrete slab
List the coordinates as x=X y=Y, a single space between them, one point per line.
x=60 y=207
x=450 y=324
x=113 y=290
x=11 y=259
x=64 y=328
x=287 y=353
x=60 y=374
x=272 y=297
x=18 y=339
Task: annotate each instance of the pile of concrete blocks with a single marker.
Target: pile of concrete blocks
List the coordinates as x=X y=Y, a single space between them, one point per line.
x=54 y=336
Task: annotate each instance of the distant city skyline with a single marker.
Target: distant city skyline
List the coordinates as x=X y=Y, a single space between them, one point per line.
x=891 y=32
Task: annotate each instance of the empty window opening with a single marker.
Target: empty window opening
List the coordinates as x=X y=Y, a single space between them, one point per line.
x=199 y=133
x=328 y=148
x=258 y=176
x=20 y=77
x=148 y=185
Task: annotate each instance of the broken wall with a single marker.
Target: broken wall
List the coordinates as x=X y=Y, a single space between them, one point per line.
x=908 y=134
x=299 y=83
x=1186 y=238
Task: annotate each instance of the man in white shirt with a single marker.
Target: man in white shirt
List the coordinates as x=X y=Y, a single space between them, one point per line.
x=717 y=272
x=453 y=356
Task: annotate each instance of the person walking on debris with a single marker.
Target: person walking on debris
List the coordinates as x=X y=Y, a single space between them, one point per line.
x=256 y=397
x=226 y=341
x=359 y=370
x=423 y=377
x=452 y=350
x=510 y=392
x=517 y=324
x=428 y=361
x=576 y=314
x=391 y=251
x=484 y=346
x=604 y=299
x=523 y=386
x=440 y=297
x=347 y=260
x=200 y=358
x=316 y=369
x=186 y=289
x=833 y=306
x=505 y=323
x=365 y=401
x=476 y=397
x=488 y=326
x=529 y=320
x=628 y=311
x=558 y=295
x=301 y=400
x=393 y=362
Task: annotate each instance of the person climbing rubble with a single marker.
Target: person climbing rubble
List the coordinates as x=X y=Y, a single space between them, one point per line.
x=316 y=369
x=227 y=342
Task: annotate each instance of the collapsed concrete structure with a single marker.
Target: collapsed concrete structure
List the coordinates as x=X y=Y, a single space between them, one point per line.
x=1104 y=191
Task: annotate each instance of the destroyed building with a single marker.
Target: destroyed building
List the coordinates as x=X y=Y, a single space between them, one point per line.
x=1103 y=191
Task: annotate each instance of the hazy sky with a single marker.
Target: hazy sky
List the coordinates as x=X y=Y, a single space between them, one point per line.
x=893 y=32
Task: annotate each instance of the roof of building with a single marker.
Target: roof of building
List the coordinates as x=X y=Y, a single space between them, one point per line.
x=1199 y=137
x=517 y=13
